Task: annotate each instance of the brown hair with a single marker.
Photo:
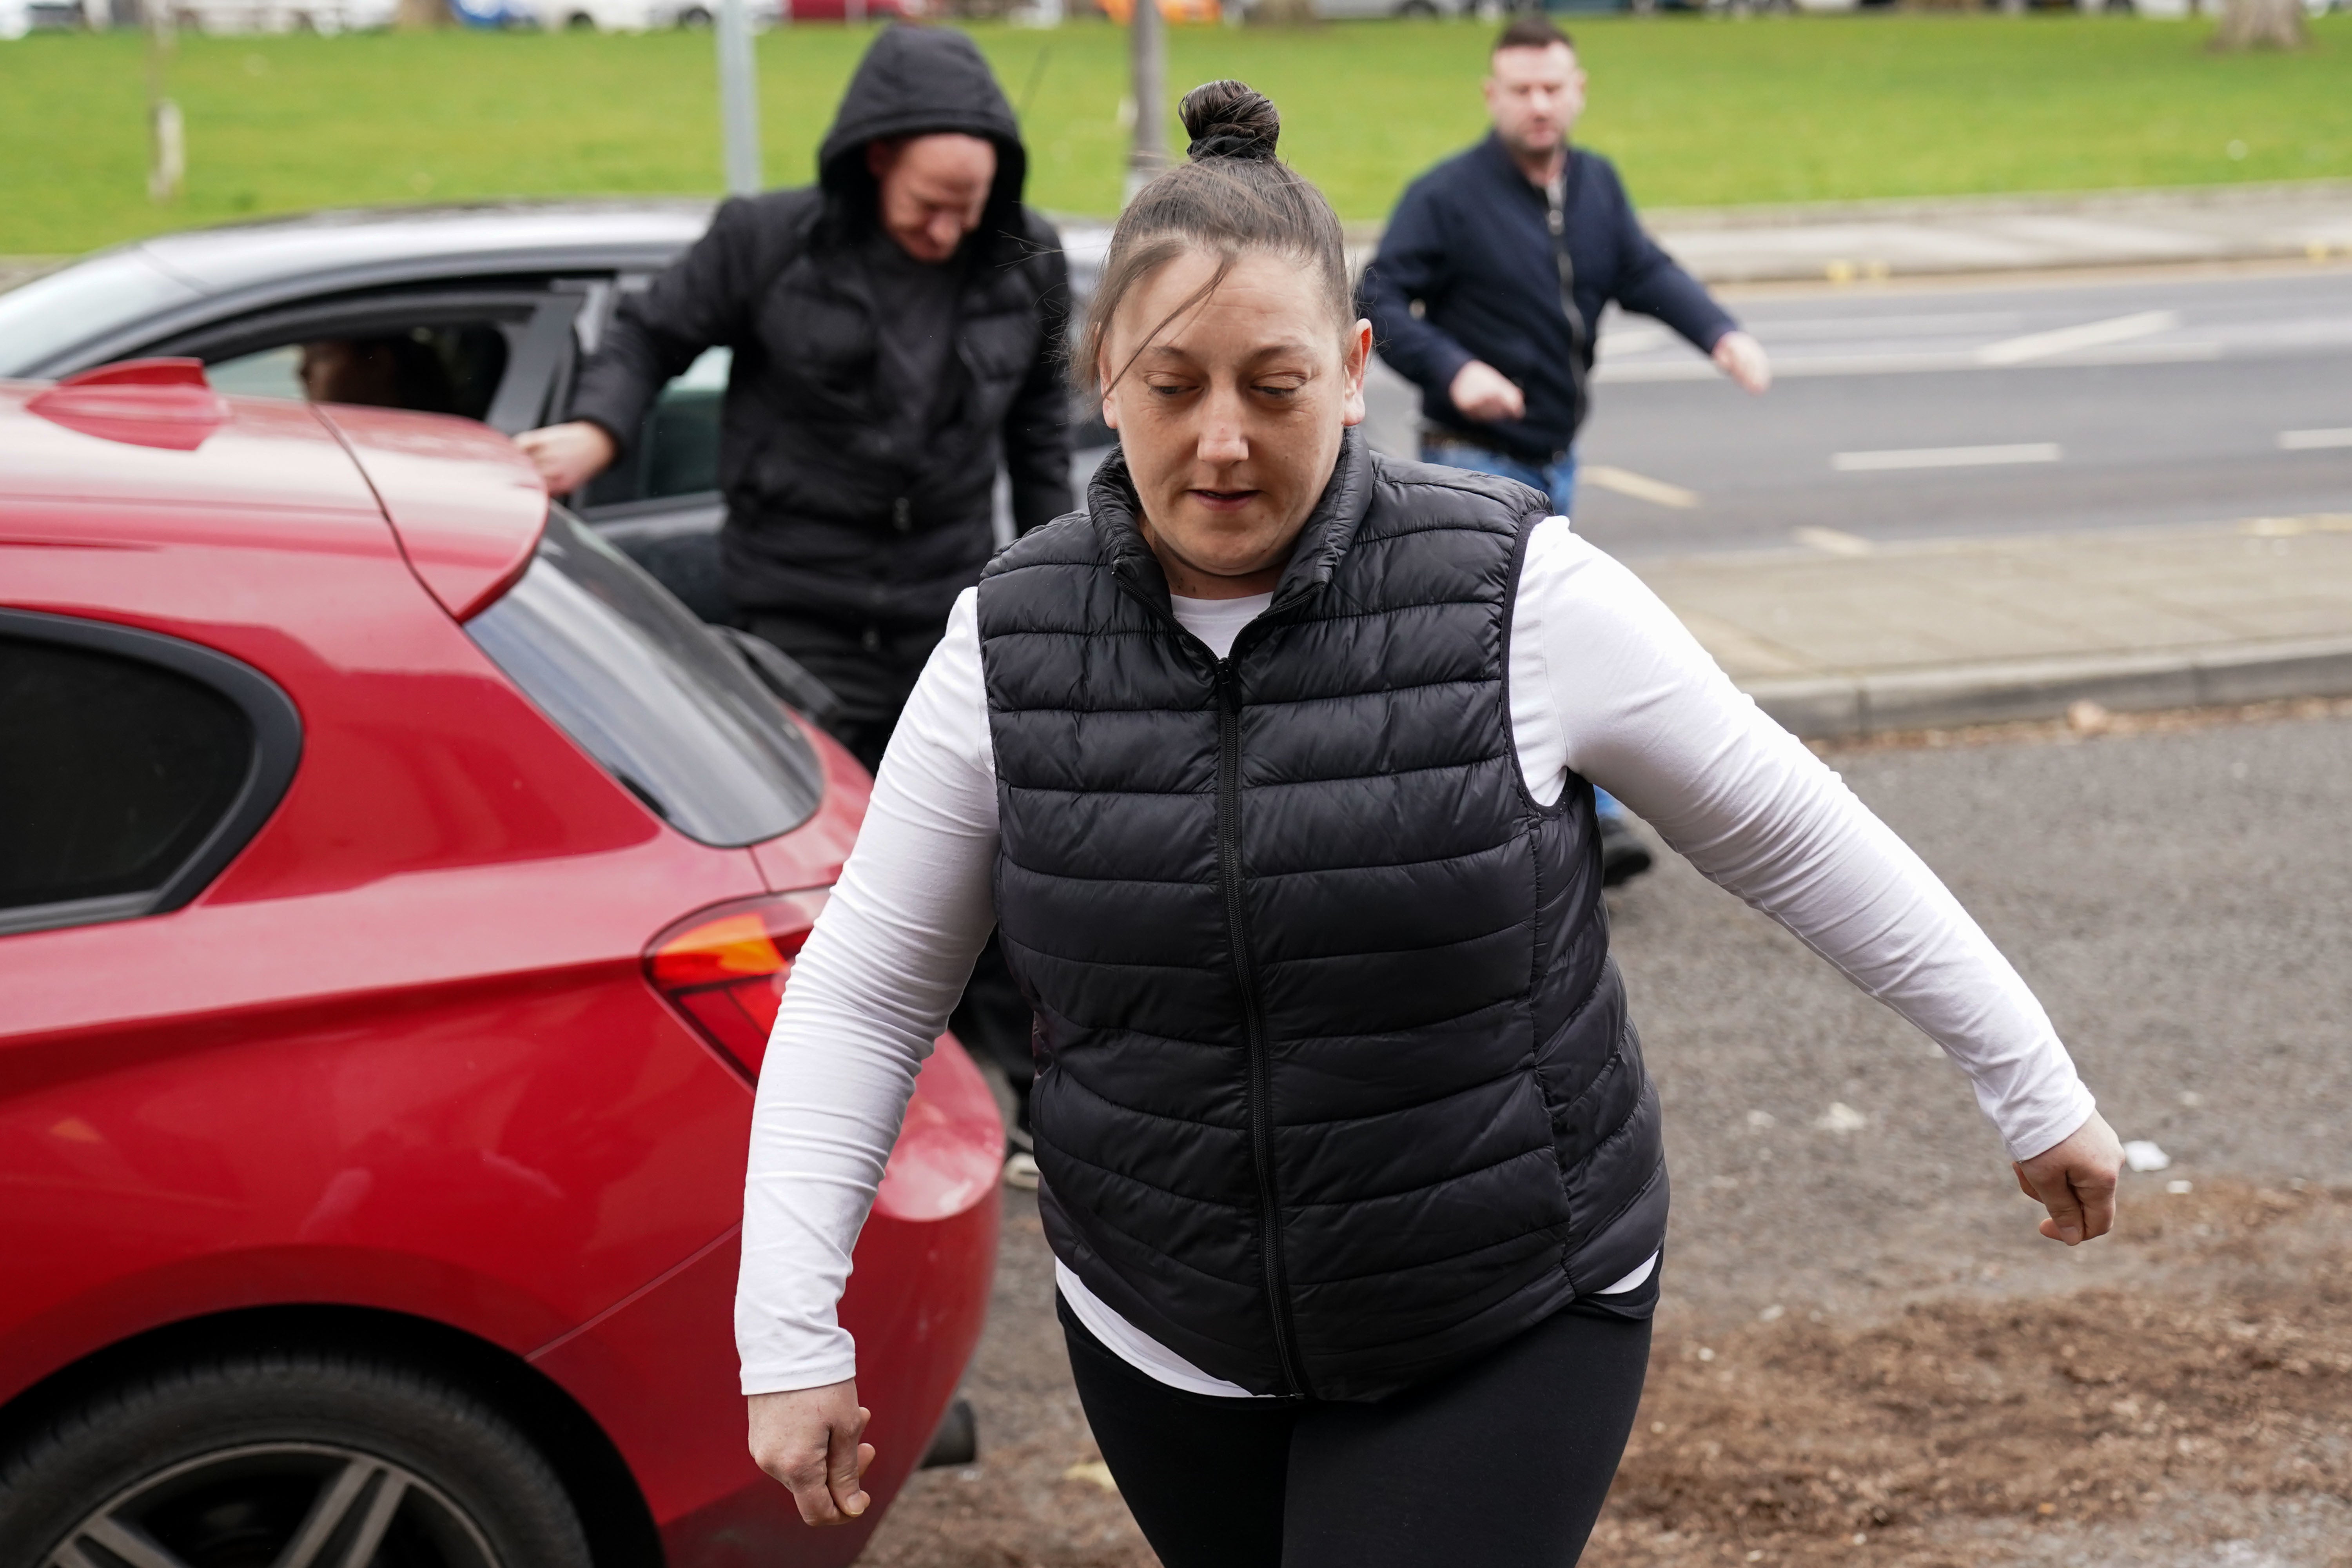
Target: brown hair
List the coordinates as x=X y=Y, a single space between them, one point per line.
x=1533 y=31
x=1232 y=195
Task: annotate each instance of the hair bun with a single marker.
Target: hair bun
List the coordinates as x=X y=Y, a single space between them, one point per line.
x=1227 y=119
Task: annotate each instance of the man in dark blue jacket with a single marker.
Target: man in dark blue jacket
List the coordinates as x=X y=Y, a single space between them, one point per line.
x=1489 y=285
x=1491 y=276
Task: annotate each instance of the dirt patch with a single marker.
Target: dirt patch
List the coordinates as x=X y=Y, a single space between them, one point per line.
x=1957 y=1434
x=1796 y=1442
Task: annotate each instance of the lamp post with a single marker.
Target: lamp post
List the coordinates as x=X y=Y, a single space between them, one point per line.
x=1147 y=49
x=739 y=99
x=167 y=146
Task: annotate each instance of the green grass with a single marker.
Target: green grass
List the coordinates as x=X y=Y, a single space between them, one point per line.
x=1695 y=111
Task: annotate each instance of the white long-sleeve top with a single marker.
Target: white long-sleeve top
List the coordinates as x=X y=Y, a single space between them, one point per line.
x=1605 y=681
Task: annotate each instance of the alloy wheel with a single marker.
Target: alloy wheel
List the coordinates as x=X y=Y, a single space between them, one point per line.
x=278 y=1505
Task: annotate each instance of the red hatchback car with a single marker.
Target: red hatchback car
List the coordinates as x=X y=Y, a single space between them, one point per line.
x=395 y=888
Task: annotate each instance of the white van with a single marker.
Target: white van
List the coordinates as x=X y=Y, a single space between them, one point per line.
x=647 y=15
x=284 y=16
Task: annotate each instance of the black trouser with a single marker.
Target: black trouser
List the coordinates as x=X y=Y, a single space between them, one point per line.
x=1503 y=1463
x=873 y=669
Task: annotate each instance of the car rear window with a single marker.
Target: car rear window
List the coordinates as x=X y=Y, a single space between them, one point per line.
x=668 y=709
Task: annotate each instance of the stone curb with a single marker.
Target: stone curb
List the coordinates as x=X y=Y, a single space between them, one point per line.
x=1828 y=707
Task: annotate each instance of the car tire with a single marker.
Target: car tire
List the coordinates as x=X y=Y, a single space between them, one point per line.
x=236 y=1459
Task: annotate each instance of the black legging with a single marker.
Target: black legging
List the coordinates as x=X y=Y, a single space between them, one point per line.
x=1501 y=1464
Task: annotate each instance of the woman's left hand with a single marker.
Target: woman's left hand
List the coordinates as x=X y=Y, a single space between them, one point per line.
x=2075 y=1181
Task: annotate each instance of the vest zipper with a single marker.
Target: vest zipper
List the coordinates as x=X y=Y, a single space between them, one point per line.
x=1261 y=1087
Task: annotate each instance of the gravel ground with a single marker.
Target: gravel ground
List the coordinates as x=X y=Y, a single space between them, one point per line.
x=1865 y=1353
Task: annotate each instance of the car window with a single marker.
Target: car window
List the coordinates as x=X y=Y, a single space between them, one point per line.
x=76 y=304
x=113 y=772
x=650 y=692
x=676 y=450
x=439 y=368
x=272 y=373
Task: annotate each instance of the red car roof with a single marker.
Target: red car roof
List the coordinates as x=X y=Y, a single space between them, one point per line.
x=464 y=505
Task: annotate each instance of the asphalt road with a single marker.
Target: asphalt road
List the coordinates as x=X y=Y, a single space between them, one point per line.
x=2020 y=405
x=2181 y=903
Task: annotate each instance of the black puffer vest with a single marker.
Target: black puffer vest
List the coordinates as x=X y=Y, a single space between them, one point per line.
x=1336 y=1087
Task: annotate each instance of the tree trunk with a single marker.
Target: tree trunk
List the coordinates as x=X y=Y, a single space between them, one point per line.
x=2262 y=24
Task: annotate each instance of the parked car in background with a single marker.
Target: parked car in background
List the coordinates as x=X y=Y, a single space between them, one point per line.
x=495 y=14
x=858 y=10
x=395 y=888
x=1178 y=11
x=648 y=15
x=284 y=16
x=503 y=299
x=506 y=300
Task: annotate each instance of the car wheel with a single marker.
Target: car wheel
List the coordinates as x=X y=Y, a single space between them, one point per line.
x=1417 y=8
x=307 y=1459
x=581 y=22
x=694 y=17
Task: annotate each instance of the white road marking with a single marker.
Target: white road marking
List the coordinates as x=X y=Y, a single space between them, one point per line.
x=1633 y=339
x=1832 y=542
x=1945 y=458
x=1641 y=487
x=2089 y=335
x=1786 y=367
x=2312 y=440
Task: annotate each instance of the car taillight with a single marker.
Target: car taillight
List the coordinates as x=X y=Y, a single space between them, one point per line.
x=725 y=968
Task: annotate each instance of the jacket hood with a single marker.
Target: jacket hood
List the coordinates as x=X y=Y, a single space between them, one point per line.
x=917 y=81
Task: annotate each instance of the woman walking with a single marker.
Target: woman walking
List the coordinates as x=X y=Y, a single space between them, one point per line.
x=1274 y=768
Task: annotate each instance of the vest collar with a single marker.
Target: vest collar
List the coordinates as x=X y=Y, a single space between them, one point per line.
x=1322 y=544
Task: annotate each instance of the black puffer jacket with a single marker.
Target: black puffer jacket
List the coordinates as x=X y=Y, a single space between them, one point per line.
x=1335 y=1085
x=831 y=511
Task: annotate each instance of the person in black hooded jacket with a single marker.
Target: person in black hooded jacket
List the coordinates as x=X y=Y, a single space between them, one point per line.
x=897 y=330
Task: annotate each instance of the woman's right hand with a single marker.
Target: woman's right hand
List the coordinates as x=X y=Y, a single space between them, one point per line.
x=808 y=1439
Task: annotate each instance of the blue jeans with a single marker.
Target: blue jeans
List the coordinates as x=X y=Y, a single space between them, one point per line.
x=1557 y=481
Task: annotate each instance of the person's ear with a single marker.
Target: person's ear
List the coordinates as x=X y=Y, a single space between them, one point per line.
x=1102 y=379
x=1353 y=362
x=880 y=155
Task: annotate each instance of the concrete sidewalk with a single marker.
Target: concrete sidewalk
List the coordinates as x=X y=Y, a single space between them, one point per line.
x=1839 y=636
x=1849 y=241
x=1870 y=240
